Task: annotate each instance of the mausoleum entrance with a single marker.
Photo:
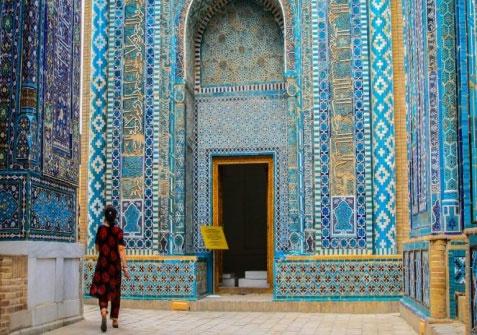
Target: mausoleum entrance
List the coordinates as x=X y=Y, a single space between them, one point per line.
x=243 y=206
x=236 y=130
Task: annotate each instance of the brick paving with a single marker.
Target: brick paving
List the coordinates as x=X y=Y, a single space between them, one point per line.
x=139 y=322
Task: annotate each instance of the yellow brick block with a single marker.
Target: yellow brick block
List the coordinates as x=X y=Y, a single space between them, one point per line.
x=422 y=327
x=180 y=306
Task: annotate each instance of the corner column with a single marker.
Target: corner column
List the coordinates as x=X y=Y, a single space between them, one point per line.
x=438 y=280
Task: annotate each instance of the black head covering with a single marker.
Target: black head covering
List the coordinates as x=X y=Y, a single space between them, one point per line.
x=110 y=215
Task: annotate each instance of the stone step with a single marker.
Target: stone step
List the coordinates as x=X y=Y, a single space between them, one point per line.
x=265 y=303
x=228 y=282
x=256 y=275
x=255 y=283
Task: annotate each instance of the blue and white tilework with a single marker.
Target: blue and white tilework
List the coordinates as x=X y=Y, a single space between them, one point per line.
x=39 y=118
x=162 y=279
x=473 y=289
x=325 y=280
x=456 y=278
x=431 y=72
x=416 y=274
x=97 y=146
x=231 y=137
x=382 y=104
x=341 y=128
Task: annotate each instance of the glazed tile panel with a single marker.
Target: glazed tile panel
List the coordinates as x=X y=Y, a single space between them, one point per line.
x=36 y=209
x=431 y=72
x=342 y=142
x=10 y=60
x=456 y=266
x=361 y=279
x=156 y=279
x=222 y=130
x=473 y=289
x=97 y=146
x=227 y=58
x=416 y=274
x=61 y=85
x=130 y=134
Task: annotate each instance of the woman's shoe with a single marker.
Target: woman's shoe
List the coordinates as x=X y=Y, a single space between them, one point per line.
x=115 y=324
x=104 y=324
x=104 y=321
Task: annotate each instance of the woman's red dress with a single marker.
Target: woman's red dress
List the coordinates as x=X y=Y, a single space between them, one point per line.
x=106 y=285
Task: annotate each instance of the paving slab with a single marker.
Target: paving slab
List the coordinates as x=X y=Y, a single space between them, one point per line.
x=145 y=322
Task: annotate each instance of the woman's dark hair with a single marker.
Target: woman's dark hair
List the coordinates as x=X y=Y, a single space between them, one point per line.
x=110 y=215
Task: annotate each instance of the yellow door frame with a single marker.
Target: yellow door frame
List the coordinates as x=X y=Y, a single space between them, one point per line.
x=217 y=207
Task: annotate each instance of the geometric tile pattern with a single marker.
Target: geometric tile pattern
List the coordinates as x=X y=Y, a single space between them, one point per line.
x=416 y=85
x=13 y=200
x=53 y=211
x=182 y=70
x=431 y=67
x=221 y=130
x=61 y=85
x=39 y=118
x=473 y=289
x=456 y=284
x=36 y=209
x=447 y=48
x=97 y=145
x=10 y=60
x=150 y=279
x=471 y=35
x=315 y=280
x=188 y=16
x=129 y=183
x=384 y=179
x=139 y=135
x=341 y=113
x=416 y=276
x=228 y=57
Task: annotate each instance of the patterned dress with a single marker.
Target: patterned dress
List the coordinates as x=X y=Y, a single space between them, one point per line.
x=106 y=285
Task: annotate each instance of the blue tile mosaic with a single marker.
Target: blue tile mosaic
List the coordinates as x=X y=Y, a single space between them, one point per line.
x=340 y=279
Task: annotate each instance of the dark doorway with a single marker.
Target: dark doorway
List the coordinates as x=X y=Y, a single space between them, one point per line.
x=244 y=217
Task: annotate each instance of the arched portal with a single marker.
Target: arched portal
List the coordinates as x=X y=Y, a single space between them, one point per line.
x=194 y=16
x=233 y=100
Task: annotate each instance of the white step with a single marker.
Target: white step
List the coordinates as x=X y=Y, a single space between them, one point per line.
x=228 y=275
x=256 y=274
x=228 y=282
x=253 y=283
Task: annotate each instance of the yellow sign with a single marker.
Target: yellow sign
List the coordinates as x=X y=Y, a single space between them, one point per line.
x=214 y=237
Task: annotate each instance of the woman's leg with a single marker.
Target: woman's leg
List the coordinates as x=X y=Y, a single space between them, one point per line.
x=115 y=304
x=103 y=305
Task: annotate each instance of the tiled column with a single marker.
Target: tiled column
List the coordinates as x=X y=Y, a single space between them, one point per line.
x=402 y=205
x=438 y=280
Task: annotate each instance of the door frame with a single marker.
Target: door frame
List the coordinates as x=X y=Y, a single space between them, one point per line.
x=217 y=207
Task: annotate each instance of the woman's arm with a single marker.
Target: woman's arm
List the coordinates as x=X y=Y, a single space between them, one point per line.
x=124 y=263
x=122 y=253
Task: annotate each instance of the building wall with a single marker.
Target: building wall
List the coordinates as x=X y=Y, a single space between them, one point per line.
x=39 y=163
x=329 y=123
x=40 y=113
x=13 y=289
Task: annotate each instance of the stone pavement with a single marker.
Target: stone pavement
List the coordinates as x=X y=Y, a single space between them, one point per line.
x=139 y=322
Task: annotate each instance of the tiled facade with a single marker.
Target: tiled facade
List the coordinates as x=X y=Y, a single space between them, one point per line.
x=367 y=108
x=346 y=279
x=39 y=113
x=157 y=278
x=40 y=61
x=340 y=135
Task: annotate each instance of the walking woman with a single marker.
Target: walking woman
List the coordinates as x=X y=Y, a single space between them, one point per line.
x=106 y=285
